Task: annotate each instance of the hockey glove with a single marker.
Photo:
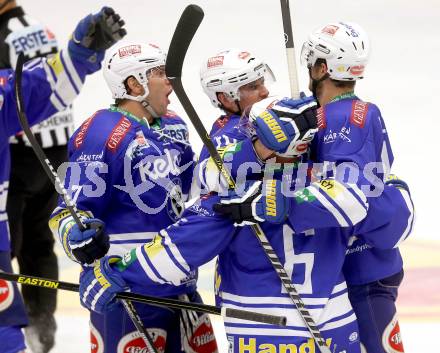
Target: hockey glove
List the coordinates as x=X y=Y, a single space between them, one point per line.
x=396 y=182
x=90 y=244
x=98 y=285
x=255 y=205
x=96 y=33
x=286 y=127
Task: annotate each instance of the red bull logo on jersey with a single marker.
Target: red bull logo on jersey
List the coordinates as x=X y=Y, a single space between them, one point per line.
x=6 y=294
x=134 y=343
x=250 y=345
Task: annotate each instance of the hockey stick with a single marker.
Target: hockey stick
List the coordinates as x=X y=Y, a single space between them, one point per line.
x=53 y=176
x=155 y=301
x=294 y=91
x=183 y=35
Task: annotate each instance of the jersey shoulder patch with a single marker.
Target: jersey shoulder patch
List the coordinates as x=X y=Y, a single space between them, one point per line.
x=221 y=122
x=359 y=111
x=320 y=115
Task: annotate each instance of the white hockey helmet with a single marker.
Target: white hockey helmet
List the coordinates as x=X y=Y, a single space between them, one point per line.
x=344 y=46
x=229 y=70
x=131 y=59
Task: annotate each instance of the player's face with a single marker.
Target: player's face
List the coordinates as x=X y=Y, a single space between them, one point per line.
x=251 y=93
x=159 y=89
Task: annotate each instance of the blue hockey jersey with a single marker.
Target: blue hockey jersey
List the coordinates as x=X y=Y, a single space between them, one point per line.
x=132 y=176
x=353 y=131
x=48 y=86
x=311 y=244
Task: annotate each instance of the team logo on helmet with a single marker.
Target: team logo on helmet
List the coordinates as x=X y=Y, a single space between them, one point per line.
x=129 y=50
x=134 y=343
x=357 y=70
x=96 y=342
x=215 y=61
x=243 y=55
x=6 y=294
x=330 y=29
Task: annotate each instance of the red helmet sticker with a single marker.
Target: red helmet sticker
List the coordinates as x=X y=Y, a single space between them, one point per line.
x=330 y=29
x=243 y=55
x=216 y=61
x=129 y=50
x=357 y=70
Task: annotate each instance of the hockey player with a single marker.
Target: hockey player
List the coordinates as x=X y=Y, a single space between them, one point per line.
x=352 y=130
x=31 y=198
x=245 y=278
x=48 y=86
x=336 y=56
x=234 y=80
x=131 y=167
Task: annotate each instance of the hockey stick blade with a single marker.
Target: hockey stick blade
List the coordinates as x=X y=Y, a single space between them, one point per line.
x=185 y=30
x=53 y=176
x=156 y=301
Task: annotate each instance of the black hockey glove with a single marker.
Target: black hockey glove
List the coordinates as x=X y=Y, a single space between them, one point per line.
x=96 y=33
x=255 y=205
x=90 y=244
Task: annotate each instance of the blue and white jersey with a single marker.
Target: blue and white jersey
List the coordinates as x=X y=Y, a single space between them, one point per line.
x=244 y=277
x=132 y=176
x=48 y=86
x=353 y=131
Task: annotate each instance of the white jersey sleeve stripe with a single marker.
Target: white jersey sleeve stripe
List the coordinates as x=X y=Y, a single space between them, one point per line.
x=148 y=271
x=338 y=216
x=72 y=71
x=410 y=223
x=180 y=261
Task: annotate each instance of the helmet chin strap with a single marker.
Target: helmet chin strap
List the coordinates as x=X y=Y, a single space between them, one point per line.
x=149 y=108
x=315 y=84
x=143 y=100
